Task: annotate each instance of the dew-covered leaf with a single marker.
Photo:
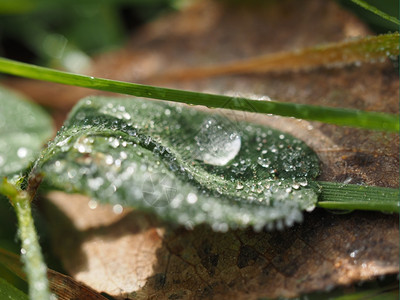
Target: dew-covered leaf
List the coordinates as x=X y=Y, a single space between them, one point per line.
x=187 y=166
x=24 y=128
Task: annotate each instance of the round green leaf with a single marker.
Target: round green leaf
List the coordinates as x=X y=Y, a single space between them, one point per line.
x=24 y=128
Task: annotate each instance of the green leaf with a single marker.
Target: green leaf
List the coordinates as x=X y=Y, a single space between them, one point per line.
x=187 y=166
x=24 y=128
x=7 y=291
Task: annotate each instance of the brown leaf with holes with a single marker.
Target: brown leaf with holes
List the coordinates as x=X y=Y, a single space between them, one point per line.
x=133 y=255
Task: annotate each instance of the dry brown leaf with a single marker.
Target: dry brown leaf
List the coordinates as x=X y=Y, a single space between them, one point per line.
x=135 y=256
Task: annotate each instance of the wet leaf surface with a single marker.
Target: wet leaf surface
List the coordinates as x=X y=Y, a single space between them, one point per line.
x=187 y=166
x=135 y=256
x=24 y=128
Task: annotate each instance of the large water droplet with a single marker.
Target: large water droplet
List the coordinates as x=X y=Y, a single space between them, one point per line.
x=218 y=143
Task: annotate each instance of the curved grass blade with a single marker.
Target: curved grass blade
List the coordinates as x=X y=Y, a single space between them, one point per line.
x=338 y=116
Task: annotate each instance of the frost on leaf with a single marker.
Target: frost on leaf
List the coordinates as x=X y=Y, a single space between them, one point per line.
x=187 y=166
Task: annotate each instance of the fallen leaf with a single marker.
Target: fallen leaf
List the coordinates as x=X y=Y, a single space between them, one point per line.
x=134 y=256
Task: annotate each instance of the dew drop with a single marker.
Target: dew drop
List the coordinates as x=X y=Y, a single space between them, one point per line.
x=118 y=209
x=109 y=160
x=114 y=142
x=264 y=162
x=22 y=152
x=354 y=253
x=191 y=198
x=239 y=186
x=296 y=185
x=217 y=143
x=95 y=183
x=92 y=204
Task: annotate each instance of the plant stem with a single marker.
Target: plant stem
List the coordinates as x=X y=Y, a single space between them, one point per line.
x=338 y=116
x=350 y=196
x=31 y=253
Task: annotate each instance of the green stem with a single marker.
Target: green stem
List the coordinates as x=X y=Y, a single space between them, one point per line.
x=31 y=253
x=338 y=116
x=350 y=196
x=376 y=11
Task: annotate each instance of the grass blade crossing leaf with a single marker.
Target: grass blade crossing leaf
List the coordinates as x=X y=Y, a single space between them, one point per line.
x=339 y=116
x=187 y=166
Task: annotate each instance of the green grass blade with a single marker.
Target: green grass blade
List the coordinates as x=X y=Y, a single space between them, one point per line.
x=7 y=291
x=31 y=253
x=376 y=11
x=350 y=196
x=338 y=116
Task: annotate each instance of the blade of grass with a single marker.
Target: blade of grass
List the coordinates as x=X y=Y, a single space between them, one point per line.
x=31 y=253
x=376 y=11
x=366 y=49
x=8 y=291
x=338 y=116
x=350 y=196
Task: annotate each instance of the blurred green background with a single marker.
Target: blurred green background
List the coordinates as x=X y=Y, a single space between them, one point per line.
x=65 y=33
